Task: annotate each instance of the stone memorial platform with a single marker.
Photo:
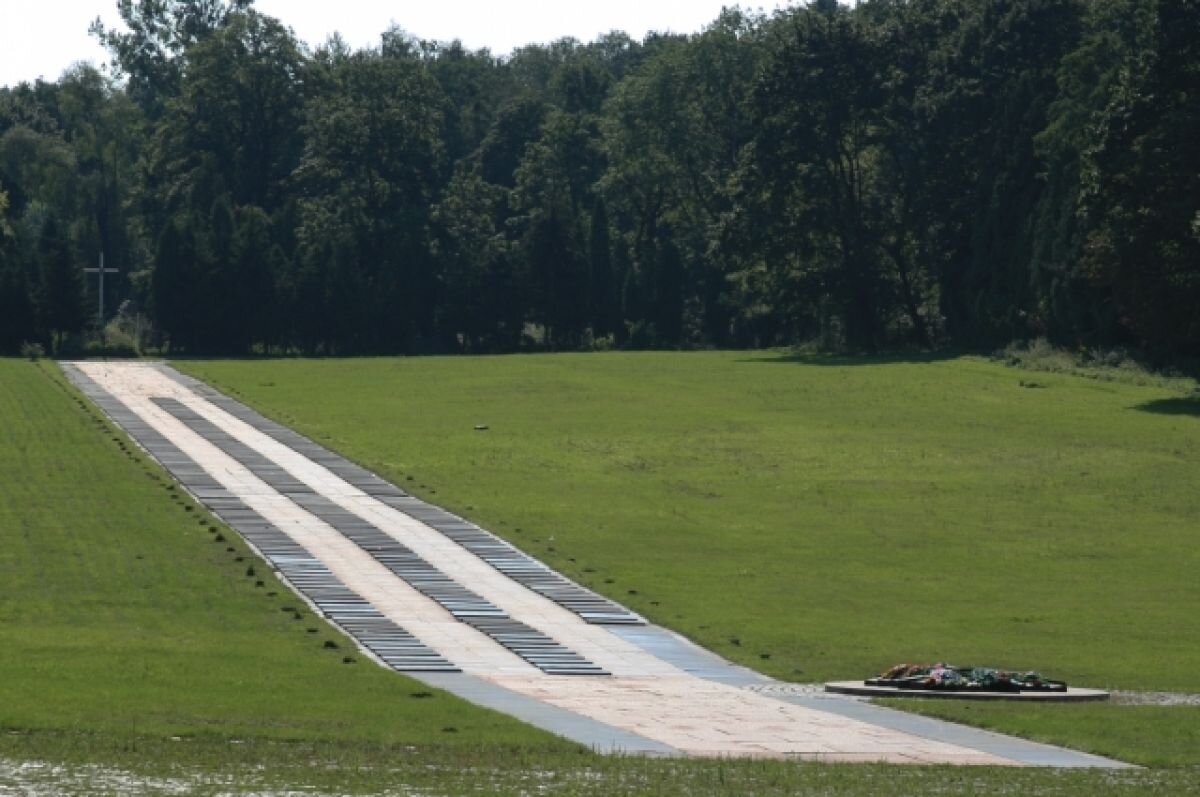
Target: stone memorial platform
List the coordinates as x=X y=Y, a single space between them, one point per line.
x=1071 y=695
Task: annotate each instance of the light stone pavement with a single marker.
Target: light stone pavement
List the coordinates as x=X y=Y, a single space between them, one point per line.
x=645 y=695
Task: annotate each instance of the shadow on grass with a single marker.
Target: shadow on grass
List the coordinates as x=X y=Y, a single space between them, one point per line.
x=840 y=360
x=1173 y=406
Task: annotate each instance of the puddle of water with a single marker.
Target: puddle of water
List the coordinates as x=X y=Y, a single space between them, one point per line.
x=42 y=779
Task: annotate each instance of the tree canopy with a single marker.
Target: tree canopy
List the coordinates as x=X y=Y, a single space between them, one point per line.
x=903 y=172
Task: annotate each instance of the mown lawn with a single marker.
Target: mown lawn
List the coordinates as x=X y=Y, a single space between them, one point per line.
x=815 y=518
x=134 y=641
x=209 y=767
x=122 y=617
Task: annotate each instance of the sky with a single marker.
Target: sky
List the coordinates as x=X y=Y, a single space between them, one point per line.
x=41 y=38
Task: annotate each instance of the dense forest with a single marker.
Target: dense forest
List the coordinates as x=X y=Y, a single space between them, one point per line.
x=901 y=173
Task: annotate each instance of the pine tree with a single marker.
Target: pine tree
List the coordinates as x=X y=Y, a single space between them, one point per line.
x=603 y=294
x=61 y=299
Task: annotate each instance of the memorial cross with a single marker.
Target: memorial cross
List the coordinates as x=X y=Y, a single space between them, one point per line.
x=101 y=270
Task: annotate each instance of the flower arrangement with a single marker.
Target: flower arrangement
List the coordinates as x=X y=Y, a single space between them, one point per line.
x=949 y=678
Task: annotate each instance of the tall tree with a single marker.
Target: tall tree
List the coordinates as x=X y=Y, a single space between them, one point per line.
x=17 y=319
x=240 y=104
x=1078 y=308
x=481 y=307
x=558 y=282
x=1145 y=187
x=371 y=160
x=818 y=101
x=899 y=171
x=258 y=265
x=602 y=293
x=177 y=283
x=60 y=298
x=157 y=33
x=104 y=131
x=1003 y=59
x=474 y=85
x=553 y=191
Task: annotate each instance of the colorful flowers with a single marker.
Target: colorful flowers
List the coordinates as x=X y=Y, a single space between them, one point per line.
x=948 y=677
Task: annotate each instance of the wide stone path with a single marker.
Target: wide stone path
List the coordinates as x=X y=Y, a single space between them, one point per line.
x=432 y=595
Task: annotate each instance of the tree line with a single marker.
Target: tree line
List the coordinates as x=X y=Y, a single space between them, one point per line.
x=904 y=172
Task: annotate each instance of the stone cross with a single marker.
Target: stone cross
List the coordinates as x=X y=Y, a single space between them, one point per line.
x=101 y=270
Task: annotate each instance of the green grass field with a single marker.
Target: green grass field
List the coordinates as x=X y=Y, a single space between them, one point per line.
x=164 y=767
x=835 y=517
x=817 y=518
x=120 y=615
x=814 y=521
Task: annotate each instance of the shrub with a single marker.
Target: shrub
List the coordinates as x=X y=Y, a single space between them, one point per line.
x=1111 y=365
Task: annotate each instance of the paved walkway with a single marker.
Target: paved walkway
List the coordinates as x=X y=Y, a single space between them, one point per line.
x=431 y=595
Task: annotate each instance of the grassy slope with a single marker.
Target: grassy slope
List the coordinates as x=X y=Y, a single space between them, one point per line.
x=210 y=768
x=814 y=519
x=1156 y=736
x=120 y=615
x=110 y=658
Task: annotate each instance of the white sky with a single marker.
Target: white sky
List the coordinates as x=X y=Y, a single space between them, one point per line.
x=40 y=38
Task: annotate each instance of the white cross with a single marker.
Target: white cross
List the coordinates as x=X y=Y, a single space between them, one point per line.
x=101 y=270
